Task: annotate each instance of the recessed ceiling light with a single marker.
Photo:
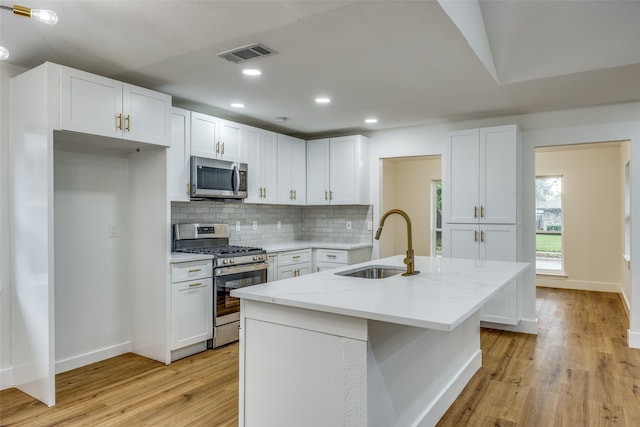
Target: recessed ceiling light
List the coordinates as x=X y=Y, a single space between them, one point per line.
x=323 y=100
x=237 y=105
x=251 y=72
x=371 y=120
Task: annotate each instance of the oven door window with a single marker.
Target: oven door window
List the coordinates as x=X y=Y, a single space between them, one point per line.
x=225 y=303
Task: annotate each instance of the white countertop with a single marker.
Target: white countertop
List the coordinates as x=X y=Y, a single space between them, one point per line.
x=445 y=293
x=184 y=257
x=295 y=245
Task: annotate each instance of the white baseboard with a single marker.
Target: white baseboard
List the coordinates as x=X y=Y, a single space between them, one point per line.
x=92 y=357
x=448 y=395
x=6 y=378
x=634 y=338
x=578 y=285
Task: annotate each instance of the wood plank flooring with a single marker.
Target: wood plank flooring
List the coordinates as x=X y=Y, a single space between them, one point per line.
x=578 y=371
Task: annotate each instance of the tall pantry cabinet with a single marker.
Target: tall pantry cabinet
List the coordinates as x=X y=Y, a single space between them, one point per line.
x=480 y=199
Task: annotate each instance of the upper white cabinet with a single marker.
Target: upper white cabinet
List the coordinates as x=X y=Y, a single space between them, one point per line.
x=292 y=173
x=216 y=138
x=178 y=156
x=481 y=176
x=261 y=156
x=101 y=106
x=336 y=171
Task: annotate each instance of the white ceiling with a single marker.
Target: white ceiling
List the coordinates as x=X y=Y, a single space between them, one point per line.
x=405 y=62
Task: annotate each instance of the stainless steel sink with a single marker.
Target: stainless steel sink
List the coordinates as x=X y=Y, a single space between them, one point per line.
x=373 y=272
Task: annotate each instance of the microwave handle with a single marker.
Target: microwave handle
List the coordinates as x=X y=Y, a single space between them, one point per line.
x=236 y=179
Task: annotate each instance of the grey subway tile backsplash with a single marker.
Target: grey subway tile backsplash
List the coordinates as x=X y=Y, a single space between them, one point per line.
x=316 y=223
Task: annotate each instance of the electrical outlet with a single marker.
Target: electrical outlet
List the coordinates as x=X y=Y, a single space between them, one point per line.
x=369 y=225
x=237 y=225
x=255 y=225
x=279 y=225
x=113 y=231
x=348 y=225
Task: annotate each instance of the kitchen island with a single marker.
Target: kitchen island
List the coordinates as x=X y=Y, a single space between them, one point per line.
x=332 y=350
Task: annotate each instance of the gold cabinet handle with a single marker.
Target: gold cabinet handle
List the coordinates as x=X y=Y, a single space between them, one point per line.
x=218 y=147
x=481 y=211
x=290 y=194
x=475 y=235
x=119 y=121
x=193 y=285
x=296 y=257
x=195 y=270
x=475 y=212
x=223 y=148
x=331 y=256
x=188 y=188
x=295 y=194
x=127 y=120
x=482 y=236
x=326 y=195
x=330 y=195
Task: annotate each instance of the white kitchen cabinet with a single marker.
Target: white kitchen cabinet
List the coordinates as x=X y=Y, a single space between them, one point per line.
x=191 y=303
x=488 y=242
x=260 y=154
x=292 y=171
x=481 y=176
x=336 y=171
x=328 y=259
x=215 y=138
x=294 y=263
x=272 y=269
x=101 y=106
x=178 y=156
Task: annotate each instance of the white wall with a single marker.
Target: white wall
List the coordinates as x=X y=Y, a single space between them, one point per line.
x=611 y=123
x=91 y=192
x=6 y=73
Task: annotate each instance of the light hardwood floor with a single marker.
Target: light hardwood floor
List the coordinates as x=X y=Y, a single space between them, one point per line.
x=578 y=371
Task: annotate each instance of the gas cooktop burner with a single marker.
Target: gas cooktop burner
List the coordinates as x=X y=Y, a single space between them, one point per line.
x=221 y=250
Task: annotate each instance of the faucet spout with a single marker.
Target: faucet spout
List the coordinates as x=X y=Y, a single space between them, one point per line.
x=409 y=259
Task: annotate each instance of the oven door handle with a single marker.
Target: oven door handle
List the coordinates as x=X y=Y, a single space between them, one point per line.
x=225 y=271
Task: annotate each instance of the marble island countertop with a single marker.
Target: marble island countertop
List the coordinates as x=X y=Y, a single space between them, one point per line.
x=445 y=293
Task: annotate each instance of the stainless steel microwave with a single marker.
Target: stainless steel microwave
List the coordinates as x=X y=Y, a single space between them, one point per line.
x=218 y=179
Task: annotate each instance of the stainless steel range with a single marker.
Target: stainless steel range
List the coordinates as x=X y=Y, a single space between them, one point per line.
x=233 y=267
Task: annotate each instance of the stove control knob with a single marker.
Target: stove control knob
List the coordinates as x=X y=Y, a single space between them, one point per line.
x=224 y=261
x=232 y=261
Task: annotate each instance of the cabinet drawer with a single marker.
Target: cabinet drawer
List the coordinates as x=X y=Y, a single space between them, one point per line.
x=190 y=270
x=294 y=257
x=333 y=255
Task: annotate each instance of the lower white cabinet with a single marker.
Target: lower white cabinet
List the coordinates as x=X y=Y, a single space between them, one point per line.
x=293 y=263
x=328 y=259
x=191 y=303
x=272 y=270
x=488 y=242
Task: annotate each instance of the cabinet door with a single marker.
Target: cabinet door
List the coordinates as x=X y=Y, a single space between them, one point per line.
x=299 y=171
x=231 y=138
x=318 y=172
x=344 y=173
x=498 y=174
x=90 y=103
x=291 y=171
x=260 y=154
x=294 y=270
x=146 y=115
x=178 y=156
x=498 y=242
x=272 y=270
x=192 y=312
x=204 y=135
x=461 y=241
x=461 y=178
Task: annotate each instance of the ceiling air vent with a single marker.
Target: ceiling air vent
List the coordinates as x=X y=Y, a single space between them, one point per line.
x=246 y=53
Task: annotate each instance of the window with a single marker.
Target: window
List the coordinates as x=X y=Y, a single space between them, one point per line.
x=436 y=218
x=549 y=224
